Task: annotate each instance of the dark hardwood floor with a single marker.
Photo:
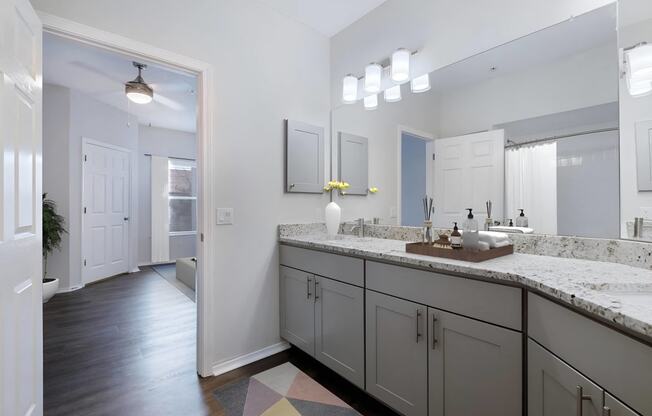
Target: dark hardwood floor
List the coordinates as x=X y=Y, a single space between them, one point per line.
x=126 y=346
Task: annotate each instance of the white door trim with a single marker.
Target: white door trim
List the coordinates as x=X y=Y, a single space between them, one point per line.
x=131 y=255
x=205 y=133
x=429 y=137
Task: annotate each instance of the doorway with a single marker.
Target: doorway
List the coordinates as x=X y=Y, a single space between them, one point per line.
x=415 y=159
x=203 y=235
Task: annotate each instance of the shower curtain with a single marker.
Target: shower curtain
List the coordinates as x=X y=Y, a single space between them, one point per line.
x=160 y=210
x=531 y=184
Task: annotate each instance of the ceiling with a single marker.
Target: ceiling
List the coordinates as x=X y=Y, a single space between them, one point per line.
x=101 y=75
x=325 y=16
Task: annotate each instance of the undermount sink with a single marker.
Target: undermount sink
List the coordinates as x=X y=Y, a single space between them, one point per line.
x=631 y=294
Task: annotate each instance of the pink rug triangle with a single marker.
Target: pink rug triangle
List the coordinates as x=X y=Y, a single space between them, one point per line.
x=259 y=398
x=305 y=388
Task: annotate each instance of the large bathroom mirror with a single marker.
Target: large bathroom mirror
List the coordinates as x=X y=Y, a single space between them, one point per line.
x=532 y=125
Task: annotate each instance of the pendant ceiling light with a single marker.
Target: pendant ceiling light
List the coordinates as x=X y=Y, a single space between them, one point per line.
x=371 y=102
x=373 y=74
x=401 y=65
x=638 y=69
x=393 y=94
x=350 y=89
x=137 y=90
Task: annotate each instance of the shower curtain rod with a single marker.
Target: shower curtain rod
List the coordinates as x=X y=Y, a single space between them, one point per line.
x=172 y=157
x=562 y=136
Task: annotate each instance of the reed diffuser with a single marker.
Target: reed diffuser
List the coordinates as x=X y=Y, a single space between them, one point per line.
x=428 y=209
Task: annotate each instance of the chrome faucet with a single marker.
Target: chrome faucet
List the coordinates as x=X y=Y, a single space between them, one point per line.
x=358 y=227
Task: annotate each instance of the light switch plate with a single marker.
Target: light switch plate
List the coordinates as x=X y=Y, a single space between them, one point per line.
x=224 y=216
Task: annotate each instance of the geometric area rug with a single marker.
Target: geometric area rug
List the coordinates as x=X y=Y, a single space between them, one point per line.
x=280 y=391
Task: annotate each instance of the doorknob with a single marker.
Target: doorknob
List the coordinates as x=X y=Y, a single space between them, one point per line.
x=126 y=218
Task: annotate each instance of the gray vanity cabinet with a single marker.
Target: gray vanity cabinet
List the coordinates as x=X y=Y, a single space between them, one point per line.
x=298 y=308
x=339 y=328
x=556 y=389
x=397 y=366
x=474 y=367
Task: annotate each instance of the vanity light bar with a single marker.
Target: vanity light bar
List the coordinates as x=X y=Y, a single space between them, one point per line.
x=638 y=69
x=398 y=68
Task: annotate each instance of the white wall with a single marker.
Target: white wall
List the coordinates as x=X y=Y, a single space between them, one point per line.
x=62 y=155
x=443 y=31
x=267 y=68
x=56 y=131
x=169 y=143
x=637 y=28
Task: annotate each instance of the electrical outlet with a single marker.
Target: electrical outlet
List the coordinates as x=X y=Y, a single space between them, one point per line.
x=646 y=212
x=224 y=216
x=392 y=212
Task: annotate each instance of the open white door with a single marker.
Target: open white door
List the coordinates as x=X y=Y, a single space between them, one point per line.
x=105 y=235
x=469 y=171
x=21 y=339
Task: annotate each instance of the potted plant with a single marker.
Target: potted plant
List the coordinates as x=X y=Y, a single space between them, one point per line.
x=53 y=230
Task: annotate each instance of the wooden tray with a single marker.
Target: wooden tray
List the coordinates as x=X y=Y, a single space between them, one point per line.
x=459 y=254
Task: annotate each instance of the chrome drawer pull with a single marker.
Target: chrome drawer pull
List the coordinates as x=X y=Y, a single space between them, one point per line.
x=580 y=400
x=434 y=332
x=418 y=318
x=308 y=280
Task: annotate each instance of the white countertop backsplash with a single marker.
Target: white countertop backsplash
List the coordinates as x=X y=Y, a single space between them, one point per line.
x=565 y=268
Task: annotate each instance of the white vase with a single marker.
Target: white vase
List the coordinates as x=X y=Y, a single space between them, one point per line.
x=333 y=215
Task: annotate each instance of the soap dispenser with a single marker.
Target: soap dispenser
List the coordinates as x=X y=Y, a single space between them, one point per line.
x=521 y=220
x=471 y=236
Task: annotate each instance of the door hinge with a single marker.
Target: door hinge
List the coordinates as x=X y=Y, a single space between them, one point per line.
x=84 y=262
x=85 y=158
x=84 y=210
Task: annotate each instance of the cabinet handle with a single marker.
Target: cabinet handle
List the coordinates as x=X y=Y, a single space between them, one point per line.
x=418 y=318
x=606 y=411
x=580 y=400
x=434 y=332
x=316 y=291
x=308 y=281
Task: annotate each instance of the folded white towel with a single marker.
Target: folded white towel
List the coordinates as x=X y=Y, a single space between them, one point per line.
x=493 y=238
x=515 y=230
x=503 y=243
x=483 y=246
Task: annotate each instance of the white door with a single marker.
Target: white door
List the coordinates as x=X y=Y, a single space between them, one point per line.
x=105 y=211
x=469 y=171
x=21 y=341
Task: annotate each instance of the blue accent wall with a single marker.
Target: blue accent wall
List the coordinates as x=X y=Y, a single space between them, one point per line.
x=413 y=179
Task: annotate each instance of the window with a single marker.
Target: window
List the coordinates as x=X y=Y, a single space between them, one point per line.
x=182 y=196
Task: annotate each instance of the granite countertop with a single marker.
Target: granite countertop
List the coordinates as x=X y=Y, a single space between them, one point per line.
x=615 y=292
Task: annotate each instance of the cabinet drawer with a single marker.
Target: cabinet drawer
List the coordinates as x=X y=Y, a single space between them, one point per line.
x=618 y=363
x=497 y=304
x=345 y=269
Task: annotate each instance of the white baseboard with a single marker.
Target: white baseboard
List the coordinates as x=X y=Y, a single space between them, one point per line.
x=69 y=289
x=249 y=358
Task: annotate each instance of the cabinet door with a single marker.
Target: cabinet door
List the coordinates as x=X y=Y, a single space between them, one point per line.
x=298 y=308
x=397 y=370
x=474 y=367
x=613 y=407
x=555 y=389
x=339 y=328
x=304 y=158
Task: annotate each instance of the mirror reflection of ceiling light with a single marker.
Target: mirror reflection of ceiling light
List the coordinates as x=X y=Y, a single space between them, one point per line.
x=420 y=84
x=371 y=102
x=401 y=65
x=372 y=77
x=638 y=69
x=393 y=94
x=350 y=89
x=137 y=90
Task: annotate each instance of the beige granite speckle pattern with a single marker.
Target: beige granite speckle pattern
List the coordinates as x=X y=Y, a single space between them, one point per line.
x=618 y=293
